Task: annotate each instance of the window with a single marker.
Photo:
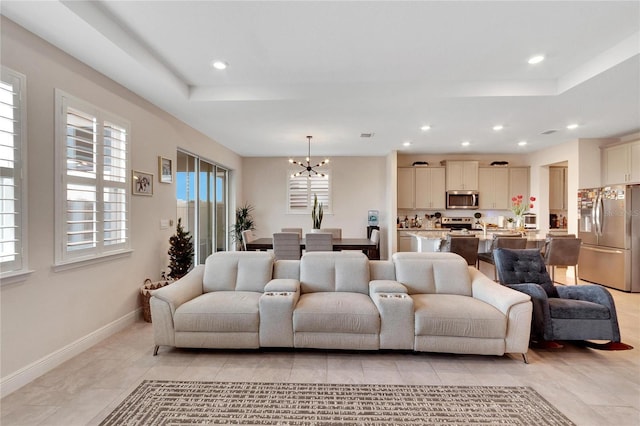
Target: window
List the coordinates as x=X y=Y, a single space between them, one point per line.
x=301 y=190
x=93 y=191
x=13 y=236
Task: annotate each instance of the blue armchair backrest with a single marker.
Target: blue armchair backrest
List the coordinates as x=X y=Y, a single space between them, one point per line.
x=523 y=266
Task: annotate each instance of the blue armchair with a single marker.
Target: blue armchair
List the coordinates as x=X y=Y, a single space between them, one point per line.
x=578 y=312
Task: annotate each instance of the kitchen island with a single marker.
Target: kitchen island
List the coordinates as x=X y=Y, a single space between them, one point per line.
x=429 y=240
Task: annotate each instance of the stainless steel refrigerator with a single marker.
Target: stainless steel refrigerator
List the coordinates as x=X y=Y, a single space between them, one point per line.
x=609 y=226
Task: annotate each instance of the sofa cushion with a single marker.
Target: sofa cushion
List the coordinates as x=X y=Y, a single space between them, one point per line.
x=339 y=271
x=220 y=311
x=457 y=316
x=577 y=309
x=244 y=271
x=338 y=312
x=442 y=273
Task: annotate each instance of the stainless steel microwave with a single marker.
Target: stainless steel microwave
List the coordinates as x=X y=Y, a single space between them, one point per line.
x=462 y=200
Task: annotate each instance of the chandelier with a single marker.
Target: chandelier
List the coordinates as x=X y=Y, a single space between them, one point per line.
x=308 y=168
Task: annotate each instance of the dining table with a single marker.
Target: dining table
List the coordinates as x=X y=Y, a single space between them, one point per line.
x=365 y=245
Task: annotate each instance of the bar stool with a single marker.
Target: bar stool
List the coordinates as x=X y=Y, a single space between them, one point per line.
x=562 y=252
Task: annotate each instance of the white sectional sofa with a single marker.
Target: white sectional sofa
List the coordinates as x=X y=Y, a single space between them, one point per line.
x=426 y=302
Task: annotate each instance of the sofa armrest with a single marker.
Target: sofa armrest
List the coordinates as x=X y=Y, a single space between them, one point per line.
x=497 y=295
x=396 y=314
x=186 y=288
x=282 y=285
x=386 y=286
x=276 y=307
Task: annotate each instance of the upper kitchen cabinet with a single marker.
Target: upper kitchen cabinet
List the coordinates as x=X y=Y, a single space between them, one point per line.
x=406 y=188
x=621 y=163
x=421 y=188
x=430 y=188
x=493 y=185
x=462 y=175
x=558 y=188
x=518 y=182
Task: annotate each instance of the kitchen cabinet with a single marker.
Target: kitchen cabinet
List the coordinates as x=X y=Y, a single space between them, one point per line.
x=421 y=188
x=493 y=185
x=558 y=188
x=406 y=188
x=404 y=241
x=462 y=175
x=518 y=183
x=429 y=188
x=621 y=163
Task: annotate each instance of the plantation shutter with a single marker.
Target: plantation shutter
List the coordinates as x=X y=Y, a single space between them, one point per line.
x=95 y=176
x=11 y=190
x=301 y=191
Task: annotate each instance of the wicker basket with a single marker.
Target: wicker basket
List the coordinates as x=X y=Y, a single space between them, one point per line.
x=146 y=291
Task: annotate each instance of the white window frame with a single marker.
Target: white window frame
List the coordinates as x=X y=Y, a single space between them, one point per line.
x=326 y=199
x=17 y=269
x=65 y=258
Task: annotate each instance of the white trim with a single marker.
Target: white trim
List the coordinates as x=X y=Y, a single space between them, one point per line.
x=15 y=276
x=47 y=363
x=90 y=260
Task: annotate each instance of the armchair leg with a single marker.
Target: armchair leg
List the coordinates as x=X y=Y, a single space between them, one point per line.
x=155 y=350
x=525 y=358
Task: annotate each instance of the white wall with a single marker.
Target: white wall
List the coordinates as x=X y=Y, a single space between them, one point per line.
x=42 y=316
x=358 y=185
x=583 y=162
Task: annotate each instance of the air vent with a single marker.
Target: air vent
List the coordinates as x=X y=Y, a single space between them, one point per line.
x=548 y=132
x=366 y=135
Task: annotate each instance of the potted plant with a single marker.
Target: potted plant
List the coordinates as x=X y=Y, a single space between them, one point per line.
x=244 y=222
x=316 y=213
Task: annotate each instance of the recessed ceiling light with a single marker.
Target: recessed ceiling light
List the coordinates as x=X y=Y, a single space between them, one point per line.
x=407 y=143
x=572 y=126
x=466 y=143
x=425 y=128
x=536 y=59
x=498 y=127
x=219 y=65
x=522 y=143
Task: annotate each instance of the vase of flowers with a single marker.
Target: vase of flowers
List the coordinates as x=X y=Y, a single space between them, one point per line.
x=520 y=206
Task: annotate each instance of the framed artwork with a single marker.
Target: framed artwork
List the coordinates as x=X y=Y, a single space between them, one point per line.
x=165 y=170
x=142 y=183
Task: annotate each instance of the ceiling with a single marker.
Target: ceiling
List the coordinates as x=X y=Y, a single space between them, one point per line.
x=336 y=70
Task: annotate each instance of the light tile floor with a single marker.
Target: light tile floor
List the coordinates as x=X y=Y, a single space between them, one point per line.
x=590 y=387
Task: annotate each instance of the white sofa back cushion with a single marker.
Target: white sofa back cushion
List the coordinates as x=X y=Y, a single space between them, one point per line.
x=237 y=270
x=334 y=271
x=429 y=273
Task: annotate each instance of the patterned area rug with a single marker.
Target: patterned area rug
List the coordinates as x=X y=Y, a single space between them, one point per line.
x=178 y=403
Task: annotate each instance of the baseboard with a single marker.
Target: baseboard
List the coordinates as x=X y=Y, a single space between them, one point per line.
x=36 y=369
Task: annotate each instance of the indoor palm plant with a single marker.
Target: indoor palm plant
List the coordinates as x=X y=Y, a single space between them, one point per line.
x=244 y=222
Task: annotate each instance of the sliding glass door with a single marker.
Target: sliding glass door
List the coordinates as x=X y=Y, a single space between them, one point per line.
x=201 y=194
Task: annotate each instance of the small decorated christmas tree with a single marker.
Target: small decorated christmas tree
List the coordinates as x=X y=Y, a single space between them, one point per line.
x=180 y=252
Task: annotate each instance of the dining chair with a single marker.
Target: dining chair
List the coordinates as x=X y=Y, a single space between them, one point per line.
x=336 y=232
x=318 y=241
x=509 y=241
x=247 y=237
x=465 y=246
x=286 y=246
x=374 y=254
x=296 y=230
x=562 y=252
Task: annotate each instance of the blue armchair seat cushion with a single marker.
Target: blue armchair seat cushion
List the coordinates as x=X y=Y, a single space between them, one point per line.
x=577 y=309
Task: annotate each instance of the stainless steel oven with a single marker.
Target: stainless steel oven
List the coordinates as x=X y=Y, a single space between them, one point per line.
x=462 y=199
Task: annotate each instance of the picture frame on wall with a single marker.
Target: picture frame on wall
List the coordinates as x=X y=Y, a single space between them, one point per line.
x=165 y=170
x=141 y=183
